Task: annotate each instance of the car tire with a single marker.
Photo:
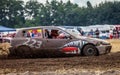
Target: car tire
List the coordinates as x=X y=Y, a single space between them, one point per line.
x=24 y=51
x=90 y=50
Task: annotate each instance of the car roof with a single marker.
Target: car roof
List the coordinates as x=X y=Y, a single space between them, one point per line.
x=49 y=27
x=44 y=27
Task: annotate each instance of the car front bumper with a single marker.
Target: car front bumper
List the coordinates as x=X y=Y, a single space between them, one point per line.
x=104 y=49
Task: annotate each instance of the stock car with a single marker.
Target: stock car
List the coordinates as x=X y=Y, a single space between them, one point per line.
x=47 y=39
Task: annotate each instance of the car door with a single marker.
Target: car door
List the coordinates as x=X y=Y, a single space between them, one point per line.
x=57 y=42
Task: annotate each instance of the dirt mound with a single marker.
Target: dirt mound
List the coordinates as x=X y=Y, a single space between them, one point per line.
x=4 y=50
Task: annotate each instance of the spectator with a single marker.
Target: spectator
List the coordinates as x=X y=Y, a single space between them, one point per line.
x=47 y=34
x=115 y=33
x=118 y=34
x=13 y=35
x=24 y=34
x=32 y=34
x=81 y=32
x=97 y=32
x=28 y=34
x=91 y=33
x=111 y=34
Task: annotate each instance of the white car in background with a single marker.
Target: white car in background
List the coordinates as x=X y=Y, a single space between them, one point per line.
x=104 y=35
x=71 y=29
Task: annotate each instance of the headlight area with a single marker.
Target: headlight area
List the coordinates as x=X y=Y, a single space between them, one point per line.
x=102 y=43
x=103 y=47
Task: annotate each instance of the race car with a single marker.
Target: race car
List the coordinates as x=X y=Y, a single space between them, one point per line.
x=47 y=39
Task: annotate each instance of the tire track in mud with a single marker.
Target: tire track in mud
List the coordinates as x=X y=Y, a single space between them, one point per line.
x=103 y=62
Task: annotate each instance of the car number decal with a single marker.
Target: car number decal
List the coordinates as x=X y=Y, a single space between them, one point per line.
x=33 y=43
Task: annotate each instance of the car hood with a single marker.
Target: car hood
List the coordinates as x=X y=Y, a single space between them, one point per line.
x=88 y=39
x=92 y=40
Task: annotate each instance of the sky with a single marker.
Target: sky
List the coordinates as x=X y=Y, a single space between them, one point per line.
x=79 y=2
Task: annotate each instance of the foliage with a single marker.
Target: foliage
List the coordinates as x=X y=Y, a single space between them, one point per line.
x=15 y=13
x=11 y=13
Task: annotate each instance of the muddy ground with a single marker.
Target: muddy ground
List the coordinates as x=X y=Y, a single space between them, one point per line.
x=108 y=64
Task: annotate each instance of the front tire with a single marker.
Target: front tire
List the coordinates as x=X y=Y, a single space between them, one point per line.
x=90 y=50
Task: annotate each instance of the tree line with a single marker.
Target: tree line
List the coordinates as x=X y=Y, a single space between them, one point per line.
x=17 y=13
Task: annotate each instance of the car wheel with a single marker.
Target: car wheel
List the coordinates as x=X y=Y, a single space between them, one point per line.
x=89 y=50
x=24 y=51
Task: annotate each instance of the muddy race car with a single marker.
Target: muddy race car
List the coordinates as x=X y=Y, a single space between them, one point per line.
x=53 y=39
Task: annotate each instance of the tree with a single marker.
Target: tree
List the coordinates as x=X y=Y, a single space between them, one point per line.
x=44 y=16
x=32 y=8
x=11 y=13
x=89 y=5
x=108 y=13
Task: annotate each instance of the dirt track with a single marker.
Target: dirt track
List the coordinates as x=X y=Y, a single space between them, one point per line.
x=101 y=63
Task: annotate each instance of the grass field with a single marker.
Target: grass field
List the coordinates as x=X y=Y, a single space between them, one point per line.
x=115 y=45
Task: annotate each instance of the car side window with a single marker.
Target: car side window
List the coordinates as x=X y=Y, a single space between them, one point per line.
x=63 y=35
x=55 y=34
x=31 y=33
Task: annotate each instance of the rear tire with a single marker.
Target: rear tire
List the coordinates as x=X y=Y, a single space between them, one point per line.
x=24 y=51
x=90 y=50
